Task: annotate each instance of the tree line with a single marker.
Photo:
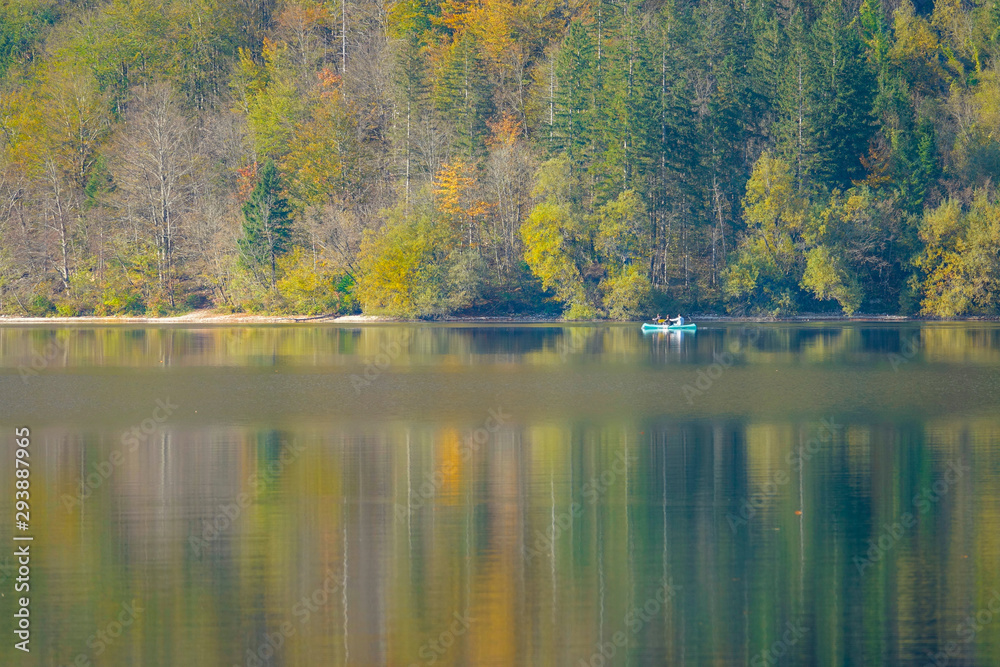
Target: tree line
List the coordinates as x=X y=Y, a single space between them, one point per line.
x=418 y=158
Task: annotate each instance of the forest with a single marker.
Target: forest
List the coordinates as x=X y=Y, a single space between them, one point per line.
x=583 y=159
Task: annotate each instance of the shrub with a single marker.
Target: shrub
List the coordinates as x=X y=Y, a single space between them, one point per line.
x=118 y=300
x=308 y=288
x=41 y=306
x=626 y=295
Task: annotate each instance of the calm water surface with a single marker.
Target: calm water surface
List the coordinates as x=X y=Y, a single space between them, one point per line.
x=820 y=494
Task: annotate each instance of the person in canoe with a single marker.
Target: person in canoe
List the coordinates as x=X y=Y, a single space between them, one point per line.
x=679 y=320
x=659 y=320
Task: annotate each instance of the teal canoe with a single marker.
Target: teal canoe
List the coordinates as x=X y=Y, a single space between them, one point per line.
x=669 y=327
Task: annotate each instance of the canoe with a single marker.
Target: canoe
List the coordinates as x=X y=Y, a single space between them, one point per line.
x=669 y=327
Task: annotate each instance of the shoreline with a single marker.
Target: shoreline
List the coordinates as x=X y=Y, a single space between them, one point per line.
x=211 y=318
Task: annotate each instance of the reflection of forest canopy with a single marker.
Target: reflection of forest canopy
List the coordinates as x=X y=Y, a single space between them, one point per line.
x=795 y=345
x=332 y=510
x=418 y=158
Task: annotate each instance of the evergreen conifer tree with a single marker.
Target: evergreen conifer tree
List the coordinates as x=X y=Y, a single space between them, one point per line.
x=266 y=227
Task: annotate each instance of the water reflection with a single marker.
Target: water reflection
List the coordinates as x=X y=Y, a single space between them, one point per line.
x=471 y=515
x=36 y=349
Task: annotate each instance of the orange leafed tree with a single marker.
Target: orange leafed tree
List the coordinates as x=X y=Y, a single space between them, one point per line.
x=246 y=181
x=453 y=190
x=877 y=164
x=504 y=132
x=454 y=195
x=494 y=25
x=303 y=16
x=455 y=14
x=450 y=184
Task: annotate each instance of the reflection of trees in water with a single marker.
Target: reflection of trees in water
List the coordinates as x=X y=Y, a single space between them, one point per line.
x=37 y=349
x=651 y=496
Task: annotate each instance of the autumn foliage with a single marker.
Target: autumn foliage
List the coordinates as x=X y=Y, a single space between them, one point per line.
x=589 y=159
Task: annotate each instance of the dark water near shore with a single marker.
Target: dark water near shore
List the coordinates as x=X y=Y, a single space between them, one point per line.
x=822 y=494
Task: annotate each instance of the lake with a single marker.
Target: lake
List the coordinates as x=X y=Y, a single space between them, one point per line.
x=818 y=493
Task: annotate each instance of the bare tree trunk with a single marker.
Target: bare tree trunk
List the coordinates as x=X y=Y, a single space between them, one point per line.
x=552 y=100
x=409 y=105
x=800 y=121
x=58 y=215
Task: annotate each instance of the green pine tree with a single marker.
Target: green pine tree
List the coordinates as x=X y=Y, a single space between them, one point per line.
x=765 y=68
x=266 y=227
x=795 y=132
x=842 y=87
x=411 y=92
x=461 y=94
x=575 y=96
x=626 y=116
x=675 y=148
